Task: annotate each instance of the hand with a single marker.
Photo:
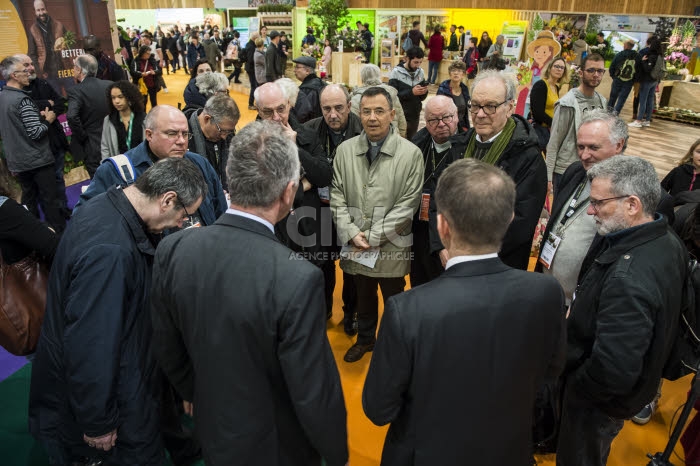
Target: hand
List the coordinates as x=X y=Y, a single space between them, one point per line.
x=644 y=57
x=420 y=90
x=444 y=257
x=289 y=132
x=306 y=184
x=550 y=188
x=188 y=407
x=103 y=442
x=49 y=115
x=359 y=241
x=51 y=102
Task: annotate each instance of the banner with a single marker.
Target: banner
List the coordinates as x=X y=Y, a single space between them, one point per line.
x=514 y=33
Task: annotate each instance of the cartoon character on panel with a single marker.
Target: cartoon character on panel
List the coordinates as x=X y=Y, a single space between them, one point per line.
x=542 y=50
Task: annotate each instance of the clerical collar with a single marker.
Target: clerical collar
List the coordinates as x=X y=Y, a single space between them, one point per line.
x=378 y=143
x=478 y=138
x=442 y=147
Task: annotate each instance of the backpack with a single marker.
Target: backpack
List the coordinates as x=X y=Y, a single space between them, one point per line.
x=685 y=353
x=407 y=43
x=657 y=73
x=627 y=70
x=242 y=55
x=124 y=167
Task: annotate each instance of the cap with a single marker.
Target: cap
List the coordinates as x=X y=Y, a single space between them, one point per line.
x=306 y=61
x=274 y=33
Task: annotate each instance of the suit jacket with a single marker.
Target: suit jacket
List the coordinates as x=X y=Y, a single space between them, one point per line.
x=248 y=345
x=87 y=109
x=497 y=334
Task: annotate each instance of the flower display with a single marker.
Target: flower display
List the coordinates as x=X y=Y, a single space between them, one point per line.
x=523 y=73
x=351 y=39
x=680 y=46
x=312 y=51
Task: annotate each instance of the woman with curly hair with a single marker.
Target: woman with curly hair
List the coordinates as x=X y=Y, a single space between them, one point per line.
x=123 y=128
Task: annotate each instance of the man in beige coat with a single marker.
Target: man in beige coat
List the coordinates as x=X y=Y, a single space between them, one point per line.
x=376 y=189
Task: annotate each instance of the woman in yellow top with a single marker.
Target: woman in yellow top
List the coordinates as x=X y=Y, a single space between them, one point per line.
x=544 y=95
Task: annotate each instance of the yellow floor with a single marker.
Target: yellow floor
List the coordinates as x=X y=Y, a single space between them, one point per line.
x=366 y=439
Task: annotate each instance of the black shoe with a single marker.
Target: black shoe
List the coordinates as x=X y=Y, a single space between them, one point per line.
x=238 y=82
x=350 y=324
x=356 y=352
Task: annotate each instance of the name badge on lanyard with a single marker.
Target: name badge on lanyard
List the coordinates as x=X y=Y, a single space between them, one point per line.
x=549 y=249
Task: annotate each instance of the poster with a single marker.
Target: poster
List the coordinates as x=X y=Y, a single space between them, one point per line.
x=67 y=22
x=514 y=33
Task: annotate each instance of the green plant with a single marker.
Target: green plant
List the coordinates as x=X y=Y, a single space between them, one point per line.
x=69 y=39
x=330 y=13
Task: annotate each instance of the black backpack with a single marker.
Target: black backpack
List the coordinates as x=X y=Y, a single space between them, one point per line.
x=627 y=69
x=242 y=54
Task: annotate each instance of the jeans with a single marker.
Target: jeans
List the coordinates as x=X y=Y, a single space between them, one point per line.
x=647 y=94
x=433 y=67
x=618 y=94
x=585 y=433
x=368 y=302
x=37 y=185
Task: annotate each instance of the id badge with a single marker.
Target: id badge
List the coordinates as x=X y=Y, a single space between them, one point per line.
x=424 y=207
x=325 y=194
x=549 y=248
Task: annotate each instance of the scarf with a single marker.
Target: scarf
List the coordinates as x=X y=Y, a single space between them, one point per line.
x=497 y=147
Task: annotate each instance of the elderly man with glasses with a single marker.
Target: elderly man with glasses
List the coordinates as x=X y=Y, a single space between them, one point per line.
x=212 y=128
x=568 y=112
x=167 y=135
x=504 y=139
x=439 y=149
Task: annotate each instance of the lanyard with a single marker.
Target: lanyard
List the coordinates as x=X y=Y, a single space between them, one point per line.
x=574 y=205
x=431 y=157
x=331 y=156
x=128 y=133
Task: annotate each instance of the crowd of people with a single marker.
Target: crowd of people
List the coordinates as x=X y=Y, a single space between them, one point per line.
x=196 y=270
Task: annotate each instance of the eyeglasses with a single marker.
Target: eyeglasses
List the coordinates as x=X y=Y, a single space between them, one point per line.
x=223 y=132
x=560 y=67
x=172 y=134
x=447 y=119
x=270 y=112
x=596 y=203
x=595 y=71
x=187 y=214
x=489 y=109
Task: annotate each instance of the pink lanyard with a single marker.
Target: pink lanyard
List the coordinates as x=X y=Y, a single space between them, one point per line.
x=692 y=182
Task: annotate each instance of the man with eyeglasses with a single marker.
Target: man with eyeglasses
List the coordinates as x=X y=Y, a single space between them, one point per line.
x=439 y=149
x=504 y=139
x=95 y=382
x=338 y=124
x=568 y=112
x=167 y=135
x=212 y=129
x=624 y=314
x=301 y=230
x=24 y=129
x=377 y=180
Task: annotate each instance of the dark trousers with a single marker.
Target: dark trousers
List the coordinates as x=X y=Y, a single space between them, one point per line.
x=184 y=449
x=618 y=94
x=92 y=161
x=236 y=71
x=585 y=433
x=424 y=266
x=37 y=185
x=411 y=126
x=253 y=85
x=183 y=55
x=59 y=163
x=368 y=302
x=349 y=290
x=153 y=95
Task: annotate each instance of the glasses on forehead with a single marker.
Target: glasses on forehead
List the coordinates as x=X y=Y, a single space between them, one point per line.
x=172 y=134
x=488 y=109
x=447 y=119
x=270 y=112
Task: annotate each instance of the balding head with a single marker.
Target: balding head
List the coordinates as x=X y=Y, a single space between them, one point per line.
x=437 y=110
x=40 y=11
x=335 y=105
x=272 y=103
x=167 y=131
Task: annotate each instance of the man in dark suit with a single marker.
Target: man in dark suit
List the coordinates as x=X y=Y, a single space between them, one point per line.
x=273 y=61
x=87 y=108
x=247 y=344
x=470 y=334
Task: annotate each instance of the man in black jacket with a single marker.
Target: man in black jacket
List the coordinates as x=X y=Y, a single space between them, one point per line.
x=260 y=321
x=623 y=318
x=338 y=124
x=623 y=71
x=273 y=60
x=408 y=79
x=250 y=68
x=308 y=104
x=99 y=399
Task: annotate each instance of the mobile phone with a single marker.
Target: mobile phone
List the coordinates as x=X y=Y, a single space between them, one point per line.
x=423 y=83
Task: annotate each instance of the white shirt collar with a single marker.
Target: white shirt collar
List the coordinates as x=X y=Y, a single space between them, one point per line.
x=442 y=147
x=240 y=213
x=459 y=259
x=478 y=138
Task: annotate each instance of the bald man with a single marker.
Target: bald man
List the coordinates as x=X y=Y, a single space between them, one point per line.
x=439 y=150
x=167 y=135
x=42 y=38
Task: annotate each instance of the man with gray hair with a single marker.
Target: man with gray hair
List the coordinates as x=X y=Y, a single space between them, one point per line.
x=212 y=128
x=167 y=135
x=623 y=318
x=87 y=108
x=95 y=383
x=504 y=139
x=262 y=318
x=24 y=129
x=370 y=76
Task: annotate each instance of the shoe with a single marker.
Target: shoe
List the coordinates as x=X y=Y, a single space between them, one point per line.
x=237 y=82
x=252 y=107
x=165 y=89
x=350 y=324
x=646 y=123
x=635 y=124
x=356 y=352
x=645 y=414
